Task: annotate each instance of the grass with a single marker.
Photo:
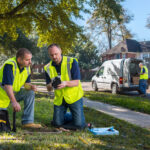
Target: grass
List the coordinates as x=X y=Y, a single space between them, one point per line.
x=134 y=103
x=130 y=137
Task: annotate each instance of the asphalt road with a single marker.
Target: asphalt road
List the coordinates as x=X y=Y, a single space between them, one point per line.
x=87 y=86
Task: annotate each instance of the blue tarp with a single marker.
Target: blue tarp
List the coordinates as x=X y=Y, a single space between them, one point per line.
x=104 y=131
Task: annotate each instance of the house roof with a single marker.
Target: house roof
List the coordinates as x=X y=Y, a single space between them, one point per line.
x=127 y=45
x=145 y=45
x=133 y=46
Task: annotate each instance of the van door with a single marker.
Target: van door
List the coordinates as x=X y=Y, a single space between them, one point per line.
x=126 y=82
x=99 y=80
x=107 y=78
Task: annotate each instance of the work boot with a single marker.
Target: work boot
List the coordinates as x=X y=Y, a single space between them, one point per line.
x=32 y=125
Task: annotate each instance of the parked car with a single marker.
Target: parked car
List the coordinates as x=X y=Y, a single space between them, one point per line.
x=118 y=75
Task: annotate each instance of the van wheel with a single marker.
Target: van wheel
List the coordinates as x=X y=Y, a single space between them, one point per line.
x=94 y=86
x=114 y=89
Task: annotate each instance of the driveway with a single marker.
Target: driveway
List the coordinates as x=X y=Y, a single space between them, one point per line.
x=87 y=86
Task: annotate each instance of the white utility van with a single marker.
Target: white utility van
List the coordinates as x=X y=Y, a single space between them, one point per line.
x=118 y=75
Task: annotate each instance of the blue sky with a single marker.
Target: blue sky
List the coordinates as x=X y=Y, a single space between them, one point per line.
x=140 y=9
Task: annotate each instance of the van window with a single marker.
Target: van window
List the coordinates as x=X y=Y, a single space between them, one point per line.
x=101 y=71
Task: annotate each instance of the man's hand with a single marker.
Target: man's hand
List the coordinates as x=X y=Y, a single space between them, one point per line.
x=16 y=106
x=33 y=87
x=9 y=90
x=29 y=86
x=62 y=85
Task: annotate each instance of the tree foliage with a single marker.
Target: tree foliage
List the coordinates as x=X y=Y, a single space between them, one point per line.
x=52 y=20
x=9 y=46
x=86 y=52
x=42 y=57
x=110 y=18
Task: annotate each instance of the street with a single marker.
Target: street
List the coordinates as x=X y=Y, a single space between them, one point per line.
x=87 y=86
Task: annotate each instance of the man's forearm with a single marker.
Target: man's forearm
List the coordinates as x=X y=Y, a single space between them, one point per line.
x=72 y=83
x=9 y=90
x=10 y=93
x=29 y=86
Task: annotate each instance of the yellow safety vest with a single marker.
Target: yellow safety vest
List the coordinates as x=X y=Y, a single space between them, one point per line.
x=18 y=82
x=70 y=94
x=145 y=75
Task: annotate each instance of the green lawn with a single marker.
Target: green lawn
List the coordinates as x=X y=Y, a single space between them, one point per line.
x=131 y=102
x=130 y=138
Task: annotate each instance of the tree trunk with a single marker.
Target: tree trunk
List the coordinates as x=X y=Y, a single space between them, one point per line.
x=109 y=36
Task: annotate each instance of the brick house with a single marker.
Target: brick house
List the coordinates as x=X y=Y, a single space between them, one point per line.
x=38 y=68
x=129 y=49
x=125 y=49
x=145 y=45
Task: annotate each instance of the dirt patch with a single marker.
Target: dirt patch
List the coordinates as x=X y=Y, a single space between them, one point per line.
x=87 y=86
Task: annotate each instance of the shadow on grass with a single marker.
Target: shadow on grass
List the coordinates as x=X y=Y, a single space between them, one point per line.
x=130 y=137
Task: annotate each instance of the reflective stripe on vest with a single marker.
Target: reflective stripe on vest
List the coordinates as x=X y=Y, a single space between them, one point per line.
x=68 y=68
x=70 y=94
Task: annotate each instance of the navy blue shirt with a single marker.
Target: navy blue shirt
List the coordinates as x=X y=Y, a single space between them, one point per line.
x=143 y=70
x=8 y=75
x=75 y=71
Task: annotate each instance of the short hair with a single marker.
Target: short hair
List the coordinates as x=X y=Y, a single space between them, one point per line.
x=141 y=64
x=21 y=52
x=52 y=45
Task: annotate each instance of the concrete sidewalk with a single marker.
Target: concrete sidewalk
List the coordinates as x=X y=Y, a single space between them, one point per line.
x=137 y=118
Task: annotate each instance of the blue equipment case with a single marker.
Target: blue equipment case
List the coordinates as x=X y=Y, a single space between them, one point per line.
x=104 y=131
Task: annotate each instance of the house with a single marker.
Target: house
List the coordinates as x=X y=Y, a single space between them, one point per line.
x=129 y=49
x=145 y=45
x=38 y=68
x=126 y=49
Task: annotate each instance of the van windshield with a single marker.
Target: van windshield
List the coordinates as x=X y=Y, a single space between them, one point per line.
x=100 y=72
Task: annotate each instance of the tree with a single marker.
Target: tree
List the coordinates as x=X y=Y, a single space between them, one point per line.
x=51 y=20
x=86 y=52
x=3 y=58
x=110 y=18
x=42 y=57
x=9 y=46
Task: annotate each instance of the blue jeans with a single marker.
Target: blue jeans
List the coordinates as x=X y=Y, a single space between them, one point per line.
x=28 y=97
x=142 y=86
x=74 y=121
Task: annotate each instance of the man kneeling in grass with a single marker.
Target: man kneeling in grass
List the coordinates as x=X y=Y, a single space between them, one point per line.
x=63 y=75
x=14 y=74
